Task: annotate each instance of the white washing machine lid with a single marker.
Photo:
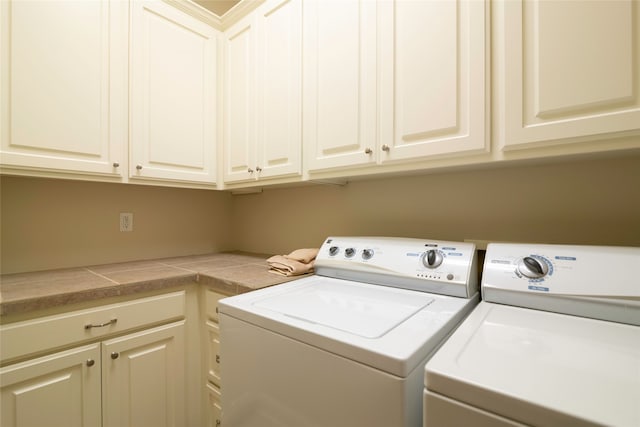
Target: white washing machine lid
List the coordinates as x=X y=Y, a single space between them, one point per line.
x=530 y=365
x=387 y=328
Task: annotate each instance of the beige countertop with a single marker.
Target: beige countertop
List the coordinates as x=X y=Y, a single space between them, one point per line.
x=229 y=273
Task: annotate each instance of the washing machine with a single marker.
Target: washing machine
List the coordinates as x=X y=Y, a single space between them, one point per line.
x=555 y=342
x=346 y=346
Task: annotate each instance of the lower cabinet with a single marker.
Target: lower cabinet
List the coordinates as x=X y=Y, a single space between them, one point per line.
x=213 y=391
x=143 y=378
x=116 y=365
x=133 y=380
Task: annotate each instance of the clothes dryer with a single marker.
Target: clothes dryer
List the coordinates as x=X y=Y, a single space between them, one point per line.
x=555 y=342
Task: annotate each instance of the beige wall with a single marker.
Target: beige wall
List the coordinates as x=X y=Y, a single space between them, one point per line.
x=53 y=223
x=582 y=202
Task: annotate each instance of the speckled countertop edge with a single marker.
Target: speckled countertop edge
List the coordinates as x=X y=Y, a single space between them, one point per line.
x=229 y=273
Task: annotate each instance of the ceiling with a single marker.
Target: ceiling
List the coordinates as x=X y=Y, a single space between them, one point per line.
x=219 y=7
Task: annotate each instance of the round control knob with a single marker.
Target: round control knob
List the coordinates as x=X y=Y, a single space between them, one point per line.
x=349 y=252
x=432 y=258
x=532 y=268
x=367 y=253
x=333 y=250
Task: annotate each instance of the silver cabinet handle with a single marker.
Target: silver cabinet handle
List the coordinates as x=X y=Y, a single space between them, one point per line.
x=385 y=147
x=258 y=169
x=368 y=151
x=115 y=355
x=250 y=170
x=139 y=167
x=100 y=325
x=90 y=362
x=116 y=164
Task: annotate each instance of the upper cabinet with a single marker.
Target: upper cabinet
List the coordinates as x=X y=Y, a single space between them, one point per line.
x=173 y=95
x=434 y=70
x=263 y=93
x=568 y=71
x=63 y=77
x=393 y=81
x=340 y=59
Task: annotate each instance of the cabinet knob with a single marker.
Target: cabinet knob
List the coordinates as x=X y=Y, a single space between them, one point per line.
x=139 y=167
x=385 y=147
x=250 y=170
x=115 y=355
x=258 y=169
x=368 y=151
x=90 y=362
x=116 y=164
x=217 y=358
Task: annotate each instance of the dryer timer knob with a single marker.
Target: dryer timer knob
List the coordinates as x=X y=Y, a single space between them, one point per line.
x=532 y=268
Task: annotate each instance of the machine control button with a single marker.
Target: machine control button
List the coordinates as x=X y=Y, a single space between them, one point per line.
x=449 y=276
x=333 y=250
x=349 y=252
x=532 y=268
x=432 y=258
x=367 y=253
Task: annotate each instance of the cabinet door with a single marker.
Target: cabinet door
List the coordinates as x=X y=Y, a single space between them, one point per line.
x=213 y=352
x=279 y=104
x=214 y=409
x=239 y=112
x=173 y=84
x=340 y=89
x=144 y=378
x=434 y=72
x=61 y=389
x=63 y=81
x=570 y=70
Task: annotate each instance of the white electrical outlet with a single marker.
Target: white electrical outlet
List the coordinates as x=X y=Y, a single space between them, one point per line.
x=126 y=221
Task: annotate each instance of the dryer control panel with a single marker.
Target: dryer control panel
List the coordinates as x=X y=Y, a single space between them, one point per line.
x=590 y=281
x=436 y=266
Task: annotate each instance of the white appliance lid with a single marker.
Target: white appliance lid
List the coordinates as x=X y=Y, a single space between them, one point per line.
x=343 y=306
x=530 y=365
x=388 y=328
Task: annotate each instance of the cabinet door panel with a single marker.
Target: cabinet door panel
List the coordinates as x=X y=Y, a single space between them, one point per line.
x=239 y=131
x=570 y=70
x=437 y=103
x=280 y=83
x=63 y=84
x=56 y=390
x=340 y=92
x=143 y=378
x=173 y=95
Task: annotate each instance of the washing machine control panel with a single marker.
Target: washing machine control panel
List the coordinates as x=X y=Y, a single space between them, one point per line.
x=420 y=264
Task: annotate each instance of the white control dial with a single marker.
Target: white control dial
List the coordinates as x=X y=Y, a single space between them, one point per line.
x=532 y=268
x=432 y=258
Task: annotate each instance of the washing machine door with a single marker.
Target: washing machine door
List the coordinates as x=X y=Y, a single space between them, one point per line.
x=369 y=312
